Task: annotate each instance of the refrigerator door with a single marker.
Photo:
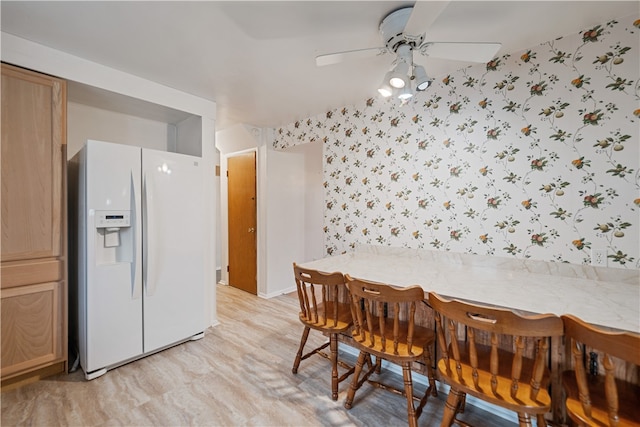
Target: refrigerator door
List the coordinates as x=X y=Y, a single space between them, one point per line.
x=112 y=295
x=173 y=266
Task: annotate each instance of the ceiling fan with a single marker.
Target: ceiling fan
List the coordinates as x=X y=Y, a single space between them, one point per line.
x=403 y=32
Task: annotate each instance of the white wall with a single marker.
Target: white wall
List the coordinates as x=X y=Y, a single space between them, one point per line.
x=211 y=156
x=85 y=122
x=189 y=136
x=285 y=222
x=238 y=138
x=224 y=221
x=294 y=213
x=313 y=201
x=217 y=182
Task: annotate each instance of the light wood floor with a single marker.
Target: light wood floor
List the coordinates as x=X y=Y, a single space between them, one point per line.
x=238 y=374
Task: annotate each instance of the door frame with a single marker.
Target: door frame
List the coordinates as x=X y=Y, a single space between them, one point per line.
x=260 y=217
x=244 y=246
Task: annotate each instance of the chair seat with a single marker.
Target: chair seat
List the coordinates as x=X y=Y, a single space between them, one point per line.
x=343 y=322
x=504 y=369
x=503 y=397
x=422 y=337
x=628 y=401
x=540 y=405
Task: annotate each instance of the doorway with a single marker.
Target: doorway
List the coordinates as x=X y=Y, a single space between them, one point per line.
x=242 y=219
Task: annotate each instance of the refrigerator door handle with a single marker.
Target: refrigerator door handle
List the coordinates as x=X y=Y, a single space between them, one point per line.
x=149 y=228
x=136 y=291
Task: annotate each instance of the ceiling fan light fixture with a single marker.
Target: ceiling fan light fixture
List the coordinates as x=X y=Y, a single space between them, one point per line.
x=422 y=80
x=385 y=89
x=403 y=33
x=405 y=93
x=398 y=77
x=399 y=82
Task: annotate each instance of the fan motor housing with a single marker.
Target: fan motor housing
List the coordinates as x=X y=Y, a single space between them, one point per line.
x=392 y=30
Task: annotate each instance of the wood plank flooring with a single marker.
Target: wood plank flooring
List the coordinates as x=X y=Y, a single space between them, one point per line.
x=239 y=374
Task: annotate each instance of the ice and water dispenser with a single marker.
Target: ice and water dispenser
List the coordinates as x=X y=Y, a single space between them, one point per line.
x=114 y=237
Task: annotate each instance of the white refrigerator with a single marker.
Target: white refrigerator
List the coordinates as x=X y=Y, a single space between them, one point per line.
x=140 y=249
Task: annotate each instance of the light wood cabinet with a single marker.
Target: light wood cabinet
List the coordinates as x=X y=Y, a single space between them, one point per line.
x=33 y=290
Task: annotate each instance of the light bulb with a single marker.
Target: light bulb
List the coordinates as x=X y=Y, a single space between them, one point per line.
x=399 y=78
x=421 y=78
x=405 y=93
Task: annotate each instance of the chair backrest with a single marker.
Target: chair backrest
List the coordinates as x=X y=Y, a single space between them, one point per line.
x=320 y=296
x=494 y=325
x=383 y=313
x=622 y=345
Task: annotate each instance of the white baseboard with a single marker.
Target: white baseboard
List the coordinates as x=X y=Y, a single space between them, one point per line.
x=277 y=293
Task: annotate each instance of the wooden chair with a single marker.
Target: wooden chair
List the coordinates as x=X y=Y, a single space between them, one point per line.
x=596 y=400
x=504 y=375
x=384 y=327
x=321 y=309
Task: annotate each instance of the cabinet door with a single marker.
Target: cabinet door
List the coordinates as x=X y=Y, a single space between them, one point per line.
x=32 y=136
x=32 y=319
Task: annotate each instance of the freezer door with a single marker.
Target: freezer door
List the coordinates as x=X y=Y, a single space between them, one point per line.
x=111 y=303
x=173 y=254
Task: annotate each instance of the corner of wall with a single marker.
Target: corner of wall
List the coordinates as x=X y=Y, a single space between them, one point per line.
x=238 y=137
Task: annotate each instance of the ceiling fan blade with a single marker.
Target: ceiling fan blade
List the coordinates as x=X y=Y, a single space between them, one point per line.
x=468 y=52
x=334 y=58
x=424 y=14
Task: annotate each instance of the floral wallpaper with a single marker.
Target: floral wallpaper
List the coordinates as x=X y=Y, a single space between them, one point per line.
x=532 y=155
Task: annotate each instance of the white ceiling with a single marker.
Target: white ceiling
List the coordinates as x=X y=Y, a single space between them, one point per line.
x=256 y=60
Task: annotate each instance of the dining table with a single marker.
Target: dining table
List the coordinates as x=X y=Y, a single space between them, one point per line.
x=606 y=297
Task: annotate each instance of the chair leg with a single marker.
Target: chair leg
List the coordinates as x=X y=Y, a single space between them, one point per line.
x=524 y=420
x=430 y=374
x=334 y=366
x=368 y=361
x=463 y=404
x=303 y=341
x=408 y=390
x=451 y=407
x=540 y=421
x=348 y=403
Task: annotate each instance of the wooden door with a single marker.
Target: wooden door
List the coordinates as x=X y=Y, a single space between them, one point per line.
x=241 y=178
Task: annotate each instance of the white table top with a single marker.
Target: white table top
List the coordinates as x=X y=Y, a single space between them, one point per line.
x=608 y=303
